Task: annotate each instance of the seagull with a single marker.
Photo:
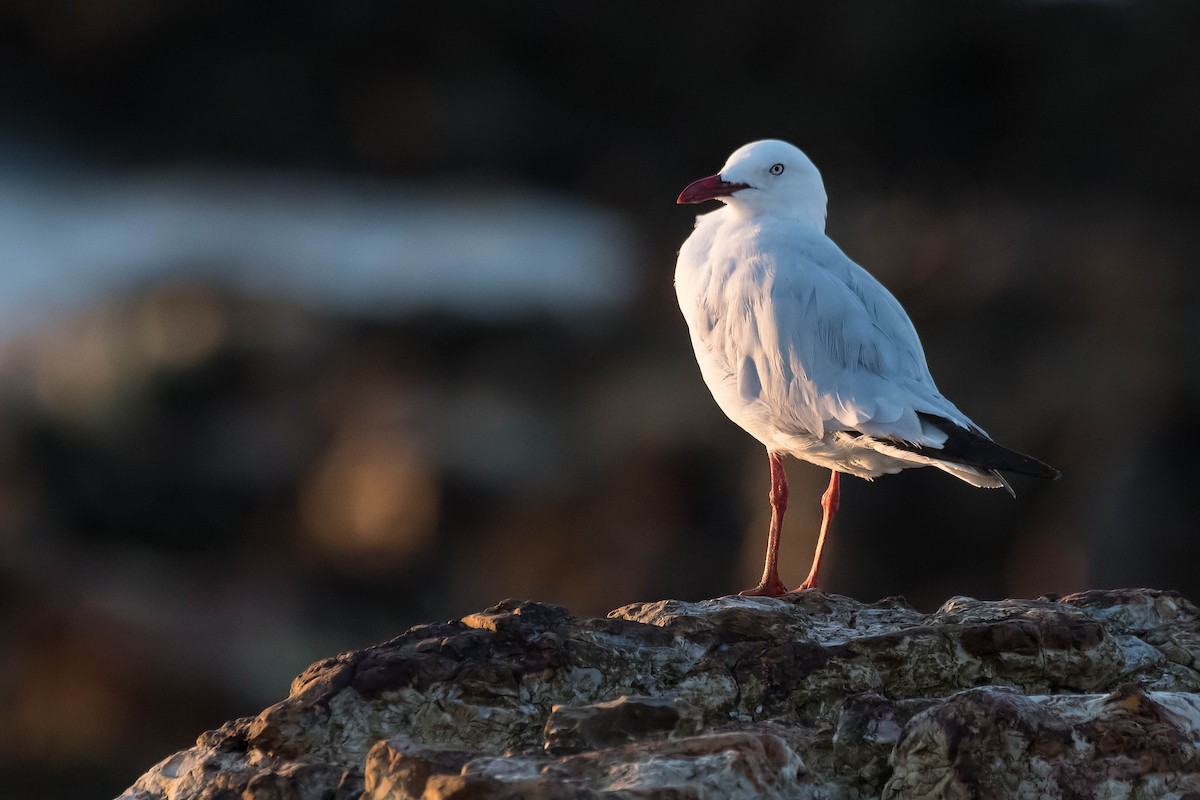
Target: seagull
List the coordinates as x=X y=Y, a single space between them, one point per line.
x=807 y=352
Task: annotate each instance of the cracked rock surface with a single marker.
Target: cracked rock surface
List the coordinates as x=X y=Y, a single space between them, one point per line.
x=813 y=695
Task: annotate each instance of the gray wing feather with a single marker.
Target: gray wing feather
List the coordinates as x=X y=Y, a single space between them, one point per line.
x=832 y=348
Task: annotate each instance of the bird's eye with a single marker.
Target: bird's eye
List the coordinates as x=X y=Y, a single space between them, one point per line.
x=777 y=169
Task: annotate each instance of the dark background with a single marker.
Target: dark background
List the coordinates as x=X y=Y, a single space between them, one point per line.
x=204 y=487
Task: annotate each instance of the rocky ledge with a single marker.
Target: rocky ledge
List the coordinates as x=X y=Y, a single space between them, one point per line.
x=814 y=695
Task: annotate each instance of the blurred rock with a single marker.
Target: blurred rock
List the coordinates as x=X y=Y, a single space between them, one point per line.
x=810 y=695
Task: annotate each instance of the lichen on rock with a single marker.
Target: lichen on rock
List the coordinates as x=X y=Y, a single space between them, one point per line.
x=812 y=695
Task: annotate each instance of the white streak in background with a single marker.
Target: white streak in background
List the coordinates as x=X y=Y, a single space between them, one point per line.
x=72 y=239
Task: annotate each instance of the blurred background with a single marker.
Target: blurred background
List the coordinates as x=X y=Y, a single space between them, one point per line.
x=321 y=320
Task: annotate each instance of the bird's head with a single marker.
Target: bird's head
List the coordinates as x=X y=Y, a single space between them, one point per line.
x=769 y=177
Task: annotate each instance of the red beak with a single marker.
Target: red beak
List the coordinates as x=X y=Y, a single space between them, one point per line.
x=709 y=188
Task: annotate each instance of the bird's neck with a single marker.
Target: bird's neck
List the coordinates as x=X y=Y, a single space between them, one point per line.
x=809 y=215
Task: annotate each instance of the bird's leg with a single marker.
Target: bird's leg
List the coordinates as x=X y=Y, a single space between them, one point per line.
x=770 y=585
x=829 y=504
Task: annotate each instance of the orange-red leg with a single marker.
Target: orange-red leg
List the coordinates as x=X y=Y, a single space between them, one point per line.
x=829 y=504
x=770 y=585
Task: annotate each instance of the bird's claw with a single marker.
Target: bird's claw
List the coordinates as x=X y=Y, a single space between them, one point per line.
x=775 y=588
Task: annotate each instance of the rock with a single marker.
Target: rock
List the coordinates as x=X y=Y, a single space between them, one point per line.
x=811 y=695
x=573 y=729
x=1000 y=743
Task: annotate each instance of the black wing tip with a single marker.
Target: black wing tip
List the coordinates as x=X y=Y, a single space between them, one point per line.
x=1044 y=471
x=974 y=448
x=1027 y=465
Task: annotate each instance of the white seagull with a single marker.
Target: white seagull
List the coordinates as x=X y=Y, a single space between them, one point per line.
x=809 y=353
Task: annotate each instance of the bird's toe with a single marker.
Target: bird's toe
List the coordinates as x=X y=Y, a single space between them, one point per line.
x=774 y=588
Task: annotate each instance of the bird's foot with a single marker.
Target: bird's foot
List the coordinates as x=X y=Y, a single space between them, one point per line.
x=775 y=588
x=808 y=584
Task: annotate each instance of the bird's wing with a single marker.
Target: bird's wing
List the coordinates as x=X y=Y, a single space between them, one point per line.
x=824 y=346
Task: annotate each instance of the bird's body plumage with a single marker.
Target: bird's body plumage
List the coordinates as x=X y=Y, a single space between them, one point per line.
x=806 y=350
